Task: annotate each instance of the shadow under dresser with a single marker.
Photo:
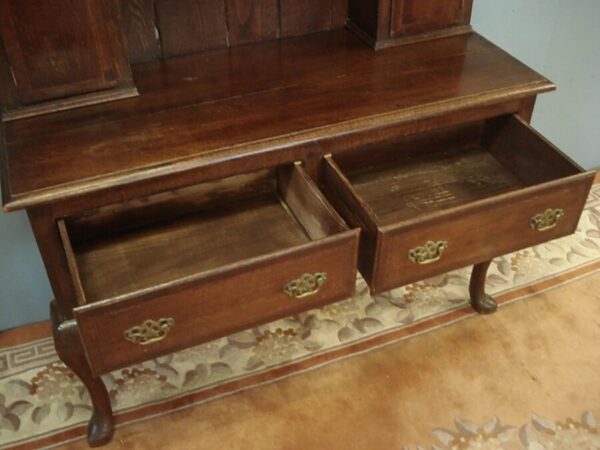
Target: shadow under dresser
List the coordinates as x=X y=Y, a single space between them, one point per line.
x=247 y=183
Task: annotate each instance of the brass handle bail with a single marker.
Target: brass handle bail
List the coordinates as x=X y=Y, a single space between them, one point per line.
x=150 y=331
x=428 y=253
x=546 y=220
x=305 y=286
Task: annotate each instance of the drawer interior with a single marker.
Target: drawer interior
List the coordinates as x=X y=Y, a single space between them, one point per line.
x=129 y=248
x=422 y=174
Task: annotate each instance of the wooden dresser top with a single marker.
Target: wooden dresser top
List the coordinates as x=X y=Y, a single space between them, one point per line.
x=248 y=102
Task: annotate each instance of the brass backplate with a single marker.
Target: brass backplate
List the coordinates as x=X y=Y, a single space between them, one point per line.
x=150 y=331
x=305 y=286
x=428 y=253
x=546 y=220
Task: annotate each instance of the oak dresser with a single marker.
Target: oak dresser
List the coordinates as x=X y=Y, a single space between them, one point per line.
x=193 y=168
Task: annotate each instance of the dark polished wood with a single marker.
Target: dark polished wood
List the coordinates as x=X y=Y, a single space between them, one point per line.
x=140 y=27
x=299 y=80
x=9 y=98
x=480 y=301
x=60 y=48
x=209 y=256
x=194 y=209
x=385 y=23
x=252 y=21
x=157 y=29
x=189 y=26
x=71 y=351
x=300 y=17
x=199 y=240
x=419 y=16
x=464 y=186
x=218 y=304
x=55 y=261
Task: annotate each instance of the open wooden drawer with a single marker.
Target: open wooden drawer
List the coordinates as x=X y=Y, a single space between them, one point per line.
x=169 y=271
x=446 y=199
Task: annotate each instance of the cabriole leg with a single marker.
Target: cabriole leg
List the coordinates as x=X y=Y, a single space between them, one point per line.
x=70 y=350
x=480 y=301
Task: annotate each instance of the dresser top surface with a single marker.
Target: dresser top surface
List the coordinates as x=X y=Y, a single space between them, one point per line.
x=248 y=101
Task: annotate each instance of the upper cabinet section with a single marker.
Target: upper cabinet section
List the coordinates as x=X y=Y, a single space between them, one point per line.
x=384 y=23
x=63 y=54
x=55 y=49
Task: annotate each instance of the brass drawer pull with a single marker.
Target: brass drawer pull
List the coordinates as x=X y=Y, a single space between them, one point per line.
x=149 y=332
x=305 y=286
x=546 y=220
x=428 y=253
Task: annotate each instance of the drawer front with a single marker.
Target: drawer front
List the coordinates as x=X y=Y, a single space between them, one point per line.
x=479 y=232
x=134 y=330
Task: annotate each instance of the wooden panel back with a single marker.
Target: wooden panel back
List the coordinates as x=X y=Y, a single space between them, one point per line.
x=190 y=26
x=9 y=98
x=167 y=28
x=365 y=15
x=138 y=20
x=252 y=20
x=305 y=16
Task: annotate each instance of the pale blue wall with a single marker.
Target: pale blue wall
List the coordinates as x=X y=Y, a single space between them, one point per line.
x=24 y=288
x=559 y=38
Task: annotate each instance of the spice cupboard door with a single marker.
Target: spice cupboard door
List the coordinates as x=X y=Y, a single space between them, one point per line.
x=421 y=16
x=61 y=48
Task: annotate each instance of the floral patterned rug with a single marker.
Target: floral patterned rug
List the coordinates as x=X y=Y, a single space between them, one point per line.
x=43 y=404
x=539 y=434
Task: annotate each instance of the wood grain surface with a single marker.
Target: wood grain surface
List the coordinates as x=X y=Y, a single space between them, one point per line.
x=190 y=26
x=139 y=24
x=62 y=48
x=252 y=20
x=141 y=254
x=219 y=304
x=284 y=95
x=478 y=200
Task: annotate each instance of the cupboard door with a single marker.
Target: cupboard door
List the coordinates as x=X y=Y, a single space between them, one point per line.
x=60 y=48
x=418 y=16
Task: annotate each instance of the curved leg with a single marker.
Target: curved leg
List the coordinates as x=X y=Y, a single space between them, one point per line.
x=480 y=301
x=70 y=350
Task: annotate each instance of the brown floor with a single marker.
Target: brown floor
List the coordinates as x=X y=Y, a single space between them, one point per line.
x=540 y=355
x=25 y=334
